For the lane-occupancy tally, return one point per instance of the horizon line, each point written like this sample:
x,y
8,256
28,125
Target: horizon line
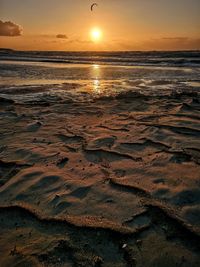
x,y
101,51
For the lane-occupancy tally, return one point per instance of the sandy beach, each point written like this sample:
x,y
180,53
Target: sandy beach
x,y
113,181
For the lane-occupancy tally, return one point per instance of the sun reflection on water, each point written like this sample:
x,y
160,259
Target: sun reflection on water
x,y
96,79
95,66
96,86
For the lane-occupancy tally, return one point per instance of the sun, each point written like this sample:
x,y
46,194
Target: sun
x,y
96,34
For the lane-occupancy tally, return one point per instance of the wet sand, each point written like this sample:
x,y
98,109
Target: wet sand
x,y
112,181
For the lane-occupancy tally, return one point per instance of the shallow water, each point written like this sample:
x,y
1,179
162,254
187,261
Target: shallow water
x,y
83,75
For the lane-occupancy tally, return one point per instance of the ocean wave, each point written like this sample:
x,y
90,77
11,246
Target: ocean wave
x,y
179,59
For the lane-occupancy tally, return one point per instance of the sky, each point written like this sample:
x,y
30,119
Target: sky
x,y
66,25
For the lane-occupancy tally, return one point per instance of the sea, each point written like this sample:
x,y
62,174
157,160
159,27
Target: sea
x,y
83,76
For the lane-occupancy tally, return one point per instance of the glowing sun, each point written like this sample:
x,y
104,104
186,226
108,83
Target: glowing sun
x,y
96,34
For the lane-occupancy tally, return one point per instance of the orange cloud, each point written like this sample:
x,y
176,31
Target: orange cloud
x,y
9,28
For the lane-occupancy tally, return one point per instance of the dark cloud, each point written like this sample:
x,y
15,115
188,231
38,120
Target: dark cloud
x,y
61,36
9,28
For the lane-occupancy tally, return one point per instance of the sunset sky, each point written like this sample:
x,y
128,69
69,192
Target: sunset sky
x,y
121,25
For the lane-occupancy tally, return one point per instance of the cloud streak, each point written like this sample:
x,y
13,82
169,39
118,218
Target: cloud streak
x,y
175,43
8,28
